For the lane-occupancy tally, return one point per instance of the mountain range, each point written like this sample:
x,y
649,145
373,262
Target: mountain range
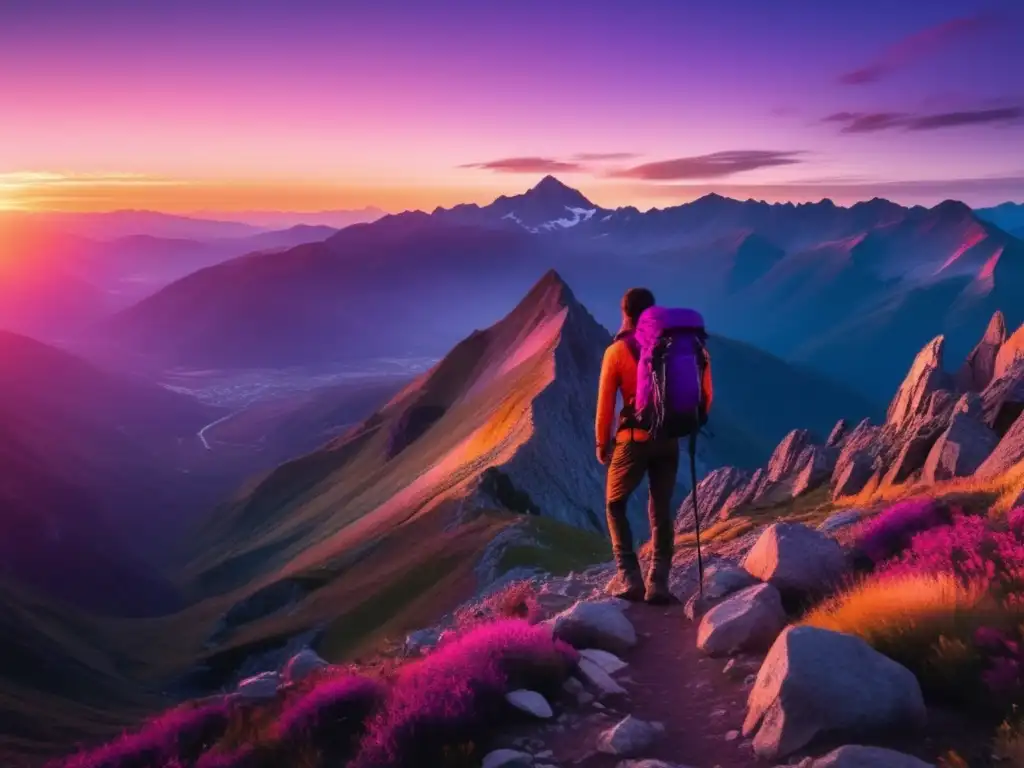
x,y
851,292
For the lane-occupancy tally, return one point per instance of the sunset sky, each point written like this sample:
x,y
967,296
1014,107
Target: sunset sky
x,y
208,105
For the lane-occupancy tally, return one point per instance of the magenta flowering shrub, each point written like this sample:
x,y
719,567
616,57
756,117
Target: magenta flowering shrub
x,y
891,530
973,549
1004,662
453,696
517,600
181,734
332,716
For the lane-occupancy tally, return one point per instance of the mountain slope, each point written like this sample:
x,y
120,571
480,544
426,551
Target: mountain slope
x,y
91,482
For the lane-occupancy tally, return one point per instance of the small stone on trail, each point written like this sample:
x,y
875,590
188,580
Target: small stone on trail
x,y
530,702
595,625
629,737
507,758
259,688
302,665
599,679
609,662
732,735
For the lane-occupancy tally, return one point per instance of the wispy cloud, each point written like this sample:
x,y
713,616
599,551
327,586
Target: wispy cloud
x,y
871,122
713,166
598,157
917,46
527,165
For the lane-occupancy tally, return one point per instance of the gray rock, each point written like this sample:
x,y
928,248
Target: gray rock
x,y
629,737
721,579
926,375
839,520
816,682
598,679
816,466
609,662
259,688
302,665
963,447
852,476
1008,452
507,758
649,764
1009,353
530,702
595,625
913,450
838,433
748,620
712,493
795,558
979,368
864,757
785,459
1003,399
421,640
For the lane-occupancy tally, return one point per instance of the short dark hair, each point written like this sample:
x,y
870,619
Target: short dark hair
x,y
636,301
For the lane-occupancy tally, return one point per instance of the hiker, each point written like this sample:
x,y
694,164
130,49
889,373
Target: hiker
x,y
663,371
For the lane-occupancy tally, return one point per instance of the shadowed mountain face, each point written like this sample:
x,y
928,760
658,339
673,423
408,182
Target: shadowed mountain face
x,y
816,282
90,463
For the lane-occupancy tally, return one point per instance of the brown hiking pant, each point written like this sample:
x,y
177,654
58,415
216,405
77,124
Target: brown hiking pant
x,y
659,460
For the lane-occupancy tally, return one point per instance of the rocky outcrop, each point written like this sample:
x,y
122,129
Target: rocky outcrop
x,y
815,682
749,620
925,377
838,433
816,466
964,446
785,460
712,493
854,475
1007,453
796,559
855,756
979,368
913,450
1003,399
1010,352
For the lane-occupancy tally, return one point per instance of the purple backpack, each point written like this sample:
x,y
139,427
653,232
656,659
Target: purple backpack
x,y
669,347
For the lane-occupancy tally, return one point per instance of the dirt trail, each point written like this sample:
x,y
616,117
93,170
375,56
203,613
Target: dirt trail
x,y
674,684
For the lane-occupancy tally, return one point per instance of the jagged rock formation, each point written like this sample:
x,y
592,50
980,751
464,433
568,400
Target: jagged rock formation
x,y
1003,399
965,444
712,493
979,368
1011,351
925,377
837,434
1007,454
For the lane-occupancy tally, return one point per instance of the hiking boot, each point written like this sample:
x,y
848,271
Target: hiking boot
x,y
657,592
628,583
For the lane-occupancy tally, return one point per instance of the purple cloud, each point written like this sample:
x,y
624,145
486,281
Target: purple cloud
x,y
870,122
918,46
713,166
526,165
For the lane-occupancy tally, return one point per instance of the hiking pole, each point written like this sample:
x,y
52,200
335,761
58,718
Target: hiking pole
x,y
696,510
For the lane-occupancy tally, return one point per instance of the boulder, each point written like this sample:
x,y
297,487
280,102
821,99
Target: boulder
x,y
839,520
1009,452
259,688
864,757
853,476
979,368
720,580
749,620
835,437
507,758
712,492
816,683
1003,399
795,558
926,376
302,665
629,737
963,447
530,702
609,662
864,441
1010,352
595,625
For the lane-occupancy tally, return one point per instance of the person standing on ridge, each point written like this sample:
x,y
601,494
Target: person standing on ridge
x,y
674,384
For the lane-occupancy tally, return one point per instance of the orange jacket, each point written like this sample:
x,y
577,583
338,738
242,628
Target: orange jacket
x,y
618,374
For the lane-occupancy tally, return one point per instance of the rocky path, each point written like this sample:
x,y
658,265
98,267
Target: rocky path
x,y
670,682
